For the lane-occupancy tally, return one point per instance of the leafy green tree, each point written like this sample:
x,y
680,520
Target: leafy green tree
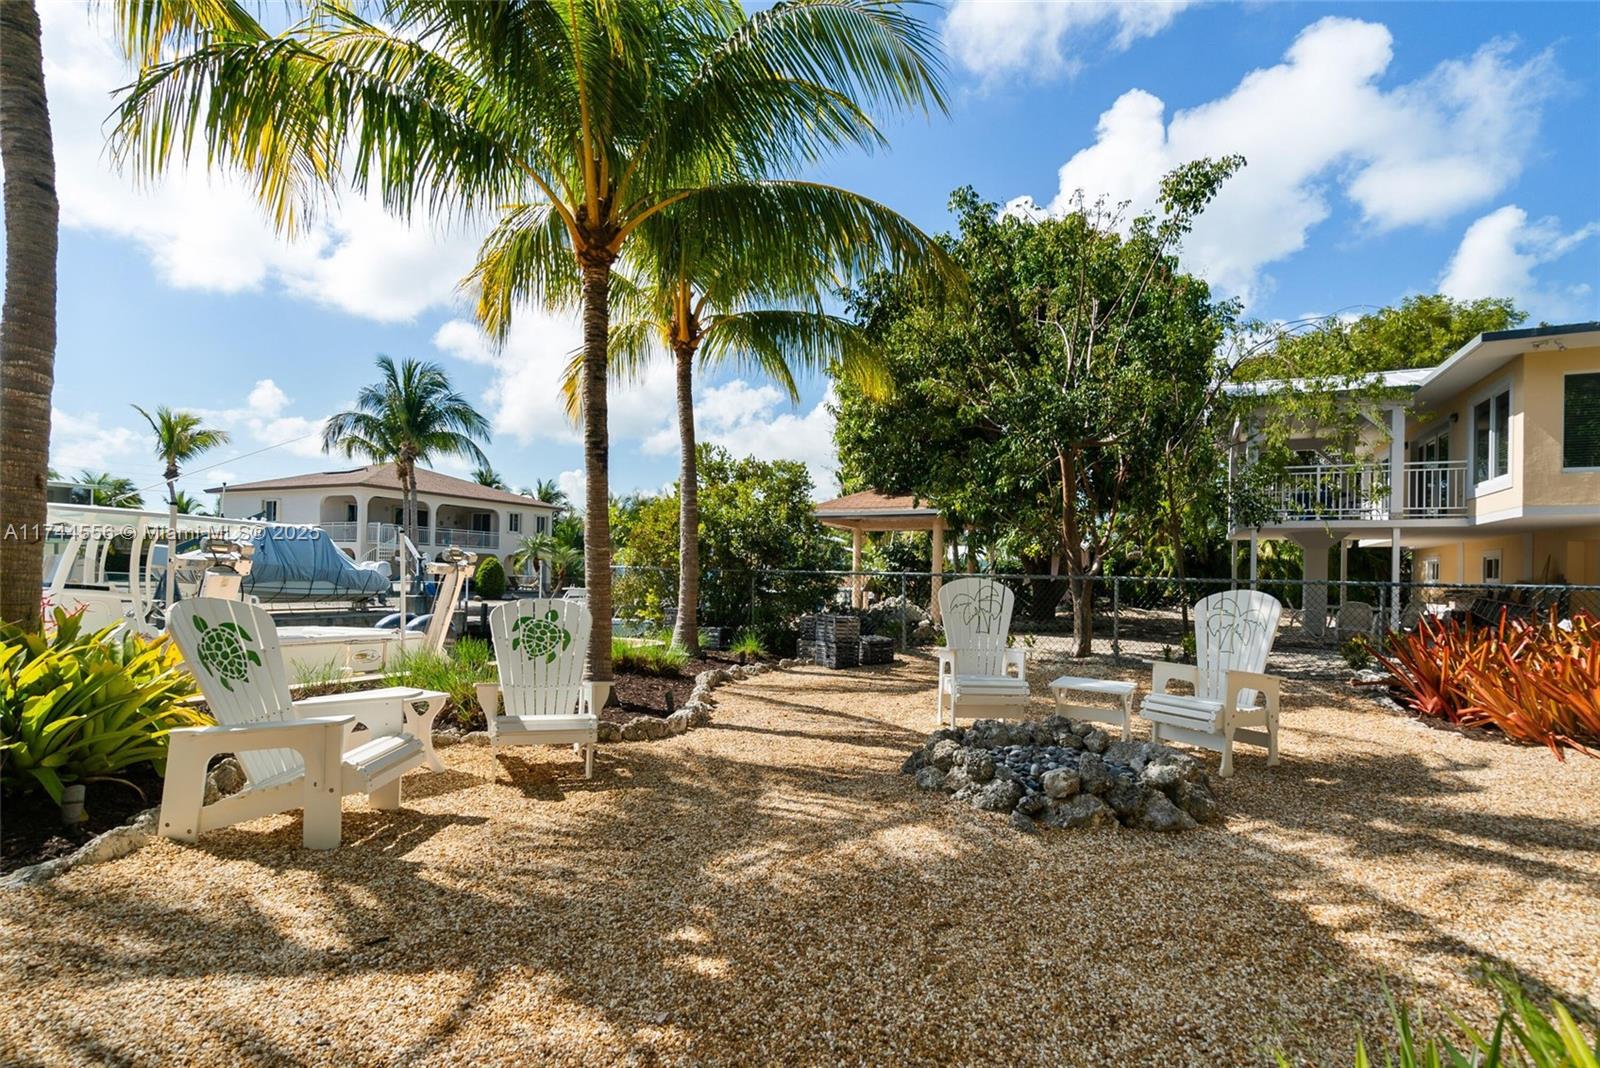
x,y
110,491
408,417
188,505
755,515
1038,415
564,561
579,122
180,437
490,579
549,491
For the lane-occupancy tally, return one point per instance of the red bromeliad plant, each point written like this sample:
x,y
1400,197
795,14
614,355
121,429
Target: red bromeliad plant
x,y
1538,683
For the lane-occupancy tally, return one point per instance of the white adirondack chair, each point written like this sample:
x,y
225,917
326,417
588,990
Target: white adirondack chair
x,y
1355,617
1234,631
539,647
978,674
295,754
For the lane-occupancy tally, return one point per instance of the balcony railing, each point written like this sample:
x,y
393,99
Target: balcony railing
x,y
1433,489
342,531
380,535
1311,492
467,539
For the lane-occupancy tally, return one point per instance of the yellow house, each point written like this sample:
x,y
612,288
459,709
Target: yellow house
x,y
1487,472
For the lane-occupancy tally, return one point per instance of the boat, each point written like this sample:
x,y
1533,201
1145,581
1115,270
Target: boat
x,y
111,565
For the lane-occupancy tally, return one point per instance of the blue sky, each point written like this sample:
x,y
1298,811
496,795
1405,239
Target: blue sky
x,y
1393,149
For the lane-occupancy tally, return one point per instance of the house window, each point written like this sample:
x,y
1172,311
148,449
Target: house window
x,y
269,510
1580,421
481,521
1491,437
1430,571
1491,568
538,524
350,512
514,522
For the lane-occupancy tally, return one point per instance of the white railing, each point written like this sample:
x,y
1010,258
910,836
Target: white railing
x,y
387,534
467,539
1435,488
342,531
1311,492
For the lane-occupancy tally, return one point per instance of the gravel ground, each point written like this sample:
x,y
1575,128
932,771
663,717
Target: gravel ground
x,y
770,889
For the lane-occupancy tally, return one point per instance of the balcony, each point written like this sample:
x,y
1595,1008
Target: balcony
x,y
342,531
466,539
1362,492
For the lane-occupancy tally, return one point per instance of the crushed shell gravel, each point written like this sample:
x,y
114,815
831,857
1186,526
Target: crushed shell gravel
x,y
770,889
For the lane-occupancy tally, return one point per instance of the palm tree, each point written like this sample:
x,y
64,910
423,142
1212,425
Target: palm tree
x,y
488,476
179,439
188,505
584,120
718,300
562,560
549,491
110,491
412,415
28,322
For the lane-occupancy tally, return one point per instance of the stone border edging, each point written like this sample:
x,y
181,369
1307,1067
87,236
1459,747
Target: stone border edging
x,y
696,712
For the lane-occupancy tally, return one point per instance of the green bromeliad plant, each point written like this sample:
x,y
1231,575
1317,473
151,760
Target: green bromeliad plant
x,y
78,708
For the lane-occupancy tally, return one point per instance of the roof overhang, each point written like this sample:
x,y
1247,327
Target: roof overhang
x,y
1488,353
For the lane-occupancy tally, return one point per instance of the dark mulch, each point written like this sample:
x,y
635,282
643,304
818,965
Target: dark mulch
x,y
31,830
634,693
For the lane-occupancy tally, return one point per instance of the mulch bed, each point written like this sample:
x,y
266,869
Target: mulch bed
x,y
32,830
635,693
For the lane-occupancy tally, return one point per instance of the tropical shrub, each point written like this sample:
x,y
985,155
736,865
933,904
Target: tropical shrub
x,y
79,708
456,673
490,581
1357,651
1526,1034
1537,682
748,645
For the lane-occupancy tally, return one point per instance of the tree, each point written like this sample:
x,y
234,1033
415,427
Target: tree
x,y
563,561
696,295
110,491
550,492
188,505
488,476
583,119
1040,413
754,515
179,439
28,321
412,415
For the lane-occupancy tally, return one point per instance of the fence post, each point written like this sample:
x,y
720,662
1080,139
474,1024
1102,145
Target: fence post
x,y
1116,618
905,606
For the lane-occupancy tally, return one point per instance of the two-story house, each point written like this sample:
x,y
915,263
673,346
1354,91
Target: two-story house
x,y
1486,471
363,510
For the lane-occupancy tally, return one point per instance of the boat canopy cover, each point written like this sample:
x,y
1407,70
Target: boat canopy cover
x,y
303,564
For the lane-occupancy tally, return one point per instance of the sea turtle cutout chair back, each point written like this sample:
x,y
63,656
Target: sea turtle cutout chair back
x,y
540,645
232,648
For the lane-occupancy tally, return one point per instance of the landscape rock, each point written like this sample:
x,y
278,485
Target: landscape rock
x,y
1129,800
1023,822
997,795
1162,815
1060,783
1096,740
609,732
1084,810
930,778
1093,778
678,722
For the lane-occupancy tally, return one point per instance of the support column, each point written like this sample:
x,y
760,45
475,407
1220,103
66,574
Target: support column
x,y
1397,463
1314,590
1394,578
1252,560
1344,570
855,565
938,567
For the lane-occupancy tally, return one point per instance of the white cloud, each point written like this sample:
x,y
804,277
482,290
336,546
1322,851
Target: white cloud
x,y
993,38
263,422
79,441
573,484
1498,256
205,231
1317,123
752,421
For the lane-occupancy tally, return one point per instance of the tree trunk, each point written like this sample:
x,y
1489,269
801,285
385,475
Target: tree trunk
x,y
1082,590
597,462
686,632
28,322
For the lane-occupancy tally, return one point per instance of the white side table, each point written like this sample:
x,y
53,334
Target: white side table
x,y
1123,692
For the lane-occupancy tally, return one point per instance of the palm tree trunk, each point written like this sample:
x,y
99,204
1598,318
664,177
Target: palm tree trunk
x,y
686,632
28,322
597,462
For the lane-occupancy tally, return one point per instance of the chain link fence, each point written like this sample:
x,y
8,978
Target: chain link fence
x,y
1121,618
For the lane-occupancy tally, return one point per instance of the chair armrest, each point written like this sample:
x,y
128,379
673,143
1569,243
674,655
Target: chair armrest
x,y
1165,671
1269,685
947,658
380,715
1017,658
299,734
488,700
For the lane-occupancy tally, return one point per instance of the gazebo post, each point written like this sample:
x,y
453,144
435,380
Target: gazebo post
x,y
938,567
855,567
